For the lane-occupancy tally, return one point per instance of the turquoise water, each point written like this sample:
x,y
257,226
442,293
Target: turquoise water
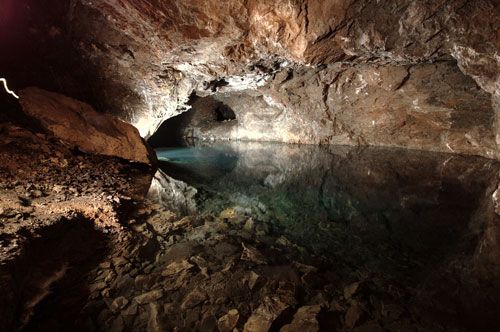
x,y
196,156
199,162
380,207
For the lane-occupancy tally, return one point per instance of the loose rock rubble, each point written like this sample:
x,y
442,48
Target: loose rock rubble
x,y
212,273
43,185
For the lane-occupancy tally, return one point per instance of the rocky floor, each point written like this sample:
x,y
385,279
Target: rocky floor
x,y
46,191
80,252
225,274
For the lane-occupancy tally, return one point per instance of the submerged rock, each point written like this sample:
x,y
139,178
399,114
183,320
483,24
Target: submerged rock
x,y
264,316
305,320
79,125
228,322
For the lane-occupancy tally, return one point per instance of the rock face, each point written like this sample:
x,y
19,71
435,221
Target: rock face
x,y
399,106
342,57
172,193
314,63
79,125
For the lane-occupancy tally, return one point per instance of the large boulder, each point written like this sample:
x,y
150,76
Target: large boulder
x,y
79,125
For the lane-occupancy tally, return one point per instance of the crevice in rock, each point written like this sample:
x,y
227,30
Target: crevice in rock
x,y
405,79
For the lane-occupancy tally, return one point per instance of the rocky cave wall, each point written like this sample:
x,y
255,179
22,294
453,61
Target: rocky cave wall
x,y
417,74
424,106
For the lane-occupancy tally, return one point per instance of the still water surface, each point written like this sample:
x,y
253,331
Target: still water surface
x,y
416,218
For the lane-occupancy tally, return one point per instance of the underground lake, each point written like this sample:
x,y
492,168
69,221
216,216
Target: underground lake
x,y
393,218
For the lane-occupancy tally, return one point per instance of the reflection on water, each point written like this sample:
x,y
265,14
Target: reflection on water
x,y
198,162
403,213
339,198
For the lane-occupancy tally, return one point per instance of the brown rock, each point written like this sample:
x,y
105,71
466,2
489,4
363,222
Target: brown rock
x,y
304,320
371,326
176,268
148,297
251,279
118,304
264,316
131,310
194,298
79,125
252,254
390,105
350,290
155,321
240,53
352,315
229,321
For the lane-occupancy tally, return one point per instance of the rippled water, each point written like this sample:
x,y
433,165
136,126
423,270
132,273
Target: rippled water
x,y
416,218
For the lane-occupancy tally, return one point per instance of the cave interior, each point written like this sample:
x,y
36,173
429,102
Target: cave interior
x,y
249,165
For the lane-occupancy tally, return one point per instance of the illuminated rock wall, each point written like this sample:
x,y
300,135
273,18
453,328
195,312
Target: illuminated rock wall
x,y
420,74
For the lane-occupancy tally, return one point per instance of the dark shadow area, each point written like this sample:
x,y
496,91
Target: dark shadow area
x,y
10,111
38,48
48,280
171,132
225,113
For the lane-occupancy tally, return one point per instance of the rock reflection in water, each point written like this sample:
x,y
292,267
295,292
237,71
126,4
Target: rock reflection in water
x,y
341,199
409,215
202,163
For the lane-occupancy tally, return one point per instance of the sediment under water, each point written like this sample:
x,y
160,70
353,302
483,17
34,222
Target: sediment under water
x,y
414,217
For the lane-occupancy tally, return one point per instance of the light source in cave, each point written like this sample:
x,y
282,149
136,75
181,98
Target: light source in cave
x,y
4,81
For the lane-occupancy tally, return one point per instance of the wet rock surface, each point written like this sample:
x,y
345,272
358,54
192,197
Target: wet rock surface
x,y
430,107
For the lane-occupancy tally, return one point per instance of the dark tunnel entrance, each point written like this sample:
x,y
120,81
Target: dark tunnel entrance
x,y
183,129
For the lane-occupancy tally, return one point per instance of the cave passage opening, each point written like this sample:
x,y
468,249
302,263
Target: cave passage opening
x,y
182,130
